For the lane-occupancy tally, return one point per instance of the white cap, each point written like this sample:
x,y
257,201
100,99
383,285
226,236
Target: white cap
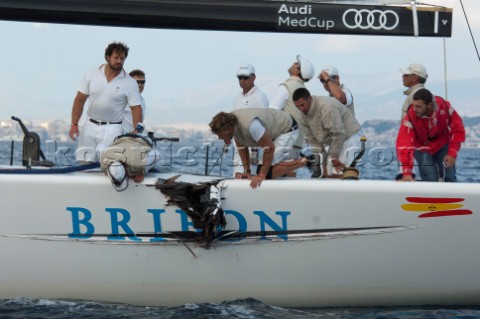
x,y
306,68
417,69
246,69
117,175
330,70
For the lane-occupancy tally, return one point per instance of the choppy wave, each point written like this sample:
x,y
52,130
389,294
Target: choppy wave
x,y
248,308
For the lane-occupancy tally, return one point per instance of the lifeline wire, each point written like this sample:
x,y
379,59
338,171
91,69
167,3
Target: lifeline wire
x,y
469,29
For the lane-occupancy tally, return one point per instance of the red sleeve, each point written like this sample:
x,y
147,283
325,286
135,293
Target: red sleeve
x,y
457,132
405,145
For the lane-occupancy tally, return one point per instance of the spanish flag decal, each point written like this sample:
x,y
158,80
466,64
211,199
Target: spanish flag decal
x,y
435,206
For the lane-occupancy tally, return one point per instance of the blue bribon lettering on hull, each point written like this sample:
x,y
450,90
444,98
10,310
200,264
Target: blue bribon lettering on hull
x,y
83,226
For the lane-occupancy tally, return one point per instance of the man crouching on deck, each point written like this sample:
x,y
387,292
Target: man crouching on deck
x,y
273,130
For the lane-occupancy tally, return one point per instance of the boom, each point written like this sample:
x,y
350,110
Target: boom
x,y
236,15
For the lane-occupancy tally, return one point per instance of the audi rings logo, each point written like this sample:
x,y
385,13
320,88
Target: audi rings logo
x,y
370,19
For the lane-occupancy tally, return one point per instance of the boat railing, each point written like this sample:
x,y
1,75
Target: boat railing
x,y
218,161
60,155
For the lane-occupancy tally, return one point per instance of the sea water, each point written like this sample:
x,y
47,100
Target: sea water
x,y
377,163
241,308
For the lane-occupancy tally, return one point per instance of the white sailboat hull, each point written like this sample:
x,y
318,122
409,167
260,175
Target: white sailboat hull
x,y
312,243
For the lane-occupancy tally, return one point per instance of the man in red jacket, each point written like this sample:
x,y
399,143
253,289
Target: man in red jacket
x,y
432,132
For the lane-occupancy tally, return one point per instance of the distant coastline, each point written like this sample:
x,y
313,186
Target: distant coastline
x,y
378,132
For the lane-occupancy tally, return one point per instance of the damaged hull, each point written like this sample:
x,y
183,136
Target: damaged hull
x,y
301,243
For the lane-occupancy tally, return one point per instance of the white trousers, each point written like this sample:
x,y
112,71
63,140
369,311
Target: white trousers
x,y
152,159
284,147
94,139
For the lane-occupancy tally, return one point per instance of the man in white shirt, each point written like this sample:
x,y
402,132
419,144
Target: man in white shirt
x,y
109,88
127,123
300,72
250,97
414,78
331,83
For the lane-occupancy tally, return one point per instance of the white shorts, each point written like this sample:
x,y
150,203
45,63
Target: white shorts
x,y
284,147
284,151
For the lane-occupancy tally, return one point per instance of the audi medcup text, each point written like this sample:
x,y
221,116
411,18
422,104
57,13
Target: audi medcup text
x,y
303,17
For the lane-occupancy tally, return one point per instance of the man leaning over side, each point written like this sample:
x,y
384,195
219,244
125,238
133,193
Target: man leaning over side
x,y
432,133
272,130
142,155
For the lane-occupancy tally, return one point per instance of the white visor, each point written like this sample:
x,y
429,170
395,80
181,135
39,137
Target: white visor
x,y
117,175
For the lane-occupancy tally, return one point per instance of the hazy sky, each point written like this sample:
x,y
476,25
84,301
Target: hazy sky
x,y
42,64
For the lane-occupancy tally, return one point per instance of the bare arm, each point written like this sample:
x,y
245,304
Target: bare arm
x,y
245,158
268,147
77,110
136,115
333,87
337,92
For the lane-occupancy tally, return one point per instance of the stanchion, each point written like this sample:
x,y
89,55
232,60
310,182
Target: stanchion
x,y
206,160
11,153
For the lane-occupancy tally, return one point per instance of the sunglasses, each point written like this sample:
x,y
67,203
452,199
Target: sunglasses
x,y
330,78
141,81
243,77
